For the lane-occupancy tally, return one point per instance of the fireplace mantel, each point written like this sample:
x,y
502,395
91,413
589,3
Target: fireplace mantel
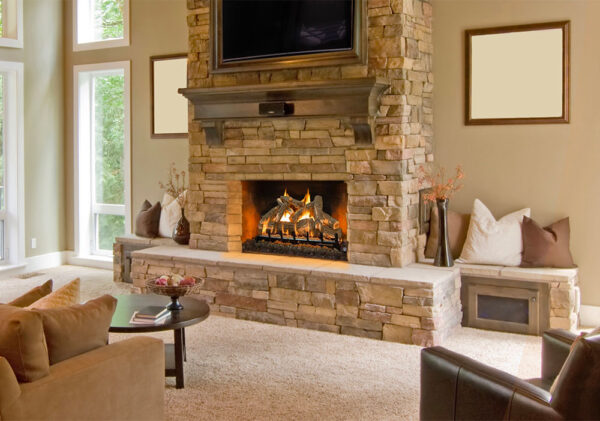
x,y
354,100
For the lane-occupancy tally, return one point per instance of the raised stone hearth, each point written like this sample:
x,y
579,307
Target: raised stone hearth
x,y
418,304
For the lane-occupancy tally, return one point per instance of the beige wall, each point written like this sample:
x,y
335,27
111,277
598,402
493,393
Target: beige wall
x,y
43,122
551,168
158,27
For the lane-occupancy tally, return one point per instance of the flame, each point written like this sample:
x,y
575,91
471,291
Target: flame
x,y
285,193
305,215
306,199
286,216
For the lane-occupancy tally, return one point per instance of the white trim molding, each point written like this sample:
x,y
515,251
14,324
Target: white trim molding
x,y
84,209
83,25
14,143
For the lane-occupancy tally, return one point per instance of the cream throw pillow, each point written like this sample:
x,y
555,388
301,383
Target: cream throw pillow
x,y
169,215
492,242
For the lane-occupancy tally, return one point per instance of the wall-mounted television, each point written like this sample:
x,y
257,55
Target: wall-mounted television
x,y
270,34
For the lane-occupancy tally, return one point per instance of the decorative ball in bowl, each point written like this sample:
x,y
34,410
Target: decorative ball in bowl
x,y
174,286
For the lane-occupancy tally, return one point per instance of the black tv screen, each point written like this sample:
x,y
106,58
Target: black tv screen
x,y
254,29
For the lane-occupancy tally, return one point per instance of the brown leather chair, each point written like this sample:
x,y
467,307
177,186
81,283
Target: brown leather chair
x,y
454,387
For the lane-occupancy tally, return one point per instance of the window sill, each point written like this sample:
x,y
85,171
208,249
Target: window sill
x,y
98,45
100,262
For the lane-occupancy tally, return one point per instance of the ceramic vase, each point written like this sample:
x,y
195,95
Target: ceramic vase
x,y
181,233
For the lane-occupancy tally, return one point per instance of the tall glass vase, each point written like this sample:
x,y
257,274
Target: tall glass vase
x,y
443,256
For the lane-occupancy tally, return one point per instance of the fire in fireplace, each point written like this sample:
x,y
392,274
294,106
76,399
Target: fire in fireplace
x,y
293,226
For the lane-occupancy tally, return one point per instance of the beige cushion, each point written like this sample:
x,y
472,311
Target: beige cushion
x,y
22,343
62,297
492,242
33,295
73,330
458,225
169,215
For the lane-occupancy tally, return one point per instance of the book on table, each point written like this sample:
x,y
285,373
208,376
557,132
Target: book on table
x,y
136,319
152,312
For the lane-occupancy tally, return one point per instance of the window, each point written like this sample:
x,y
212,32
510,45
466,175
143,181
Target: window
x,y
12,242
11,23
102,159
100,24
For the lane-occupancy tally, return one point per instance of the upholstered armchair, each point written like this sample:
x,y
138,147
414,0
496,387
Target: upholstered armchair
x,y
454,387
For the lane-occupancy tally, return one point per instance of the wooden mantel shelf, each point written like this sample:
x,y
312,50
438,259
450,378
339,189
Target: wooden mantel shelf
x,y
353,100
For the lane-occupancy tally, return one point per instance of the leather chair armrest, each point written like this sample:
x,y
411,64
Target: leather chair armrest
x,y
457,387
9,386
556,345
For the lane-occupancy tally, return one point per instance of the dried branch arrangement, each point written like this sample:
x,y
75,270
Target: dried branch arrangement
x,y
176,185
441,186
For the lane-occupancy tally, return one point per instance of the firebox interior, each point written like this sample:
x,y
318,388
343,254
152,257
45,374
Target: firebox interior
x,y
301,218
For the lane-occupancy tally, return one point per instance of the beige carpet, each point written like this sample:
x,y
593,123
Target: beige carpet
x,y
245,370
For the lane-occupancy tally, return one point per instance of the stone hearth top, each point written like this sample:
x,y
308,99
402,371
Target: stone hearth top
x,y
414,275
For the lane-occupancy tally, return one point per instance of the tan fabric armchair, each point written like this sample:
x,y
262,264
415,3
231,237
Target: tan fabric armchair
x,y
123,380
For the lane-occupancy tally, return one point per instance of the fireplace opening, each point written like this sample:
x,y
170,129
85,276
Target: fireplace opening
x,y
297,218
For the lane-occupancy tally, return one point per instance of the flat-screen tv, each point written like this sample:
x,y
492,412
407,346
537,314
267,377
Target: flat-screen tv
x,y
270,31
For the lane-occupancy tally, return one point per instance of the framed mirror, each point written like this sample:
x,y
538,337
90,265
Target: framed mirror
x,y
517,74
169,109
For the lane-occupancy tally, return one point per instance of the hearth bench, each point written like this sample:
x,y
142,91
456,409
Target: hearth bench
x,y
520,300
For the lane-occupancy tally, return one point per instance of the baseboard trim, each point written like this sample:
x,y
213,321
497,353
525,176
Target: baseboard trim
x,y
90,261
36,263
589,316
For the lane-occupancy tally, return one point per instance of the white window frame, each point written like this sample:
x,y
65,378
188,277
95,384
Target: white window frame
x,y
85,209
14,226
13,9
81,12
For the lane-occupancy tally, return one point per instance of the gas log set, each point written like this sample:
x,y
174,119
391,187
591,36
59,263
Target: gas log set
x,y
300,228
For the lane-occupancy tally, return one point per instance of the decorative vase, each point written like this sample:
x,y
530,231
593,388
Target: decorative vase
x,y
181,233
443,256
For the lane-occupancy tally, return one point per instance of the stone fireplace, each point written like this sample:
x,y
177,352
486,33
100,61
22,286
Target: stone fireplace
x,y
379,174
314,162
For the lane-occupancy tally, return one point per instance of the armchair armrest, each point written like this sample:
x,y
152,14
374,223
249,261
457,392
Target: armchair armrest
x,y
556,345
123,380
9,386
457,387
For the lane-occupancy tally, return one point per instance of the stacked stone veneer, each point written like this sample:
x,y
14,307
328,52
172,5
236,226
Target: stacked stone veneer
x,y
382,188
416,305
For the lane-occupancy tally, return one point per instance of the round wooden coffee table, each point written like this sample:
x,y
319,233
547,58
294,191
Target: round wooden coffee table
x,y
194,311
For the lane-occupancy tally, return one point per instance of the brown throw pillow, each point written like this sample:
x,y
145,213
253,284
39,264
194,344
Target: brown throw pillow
x,y
80,328
32,295
458,225
62,297
147,221
546,247
22,343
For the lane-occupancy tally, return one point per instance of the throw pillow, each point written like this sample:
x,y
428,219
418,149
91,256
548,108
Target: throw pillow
x,y
171,212
22,343
548,246
62,297
77,329
146,222
32,295
492,242
458,224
